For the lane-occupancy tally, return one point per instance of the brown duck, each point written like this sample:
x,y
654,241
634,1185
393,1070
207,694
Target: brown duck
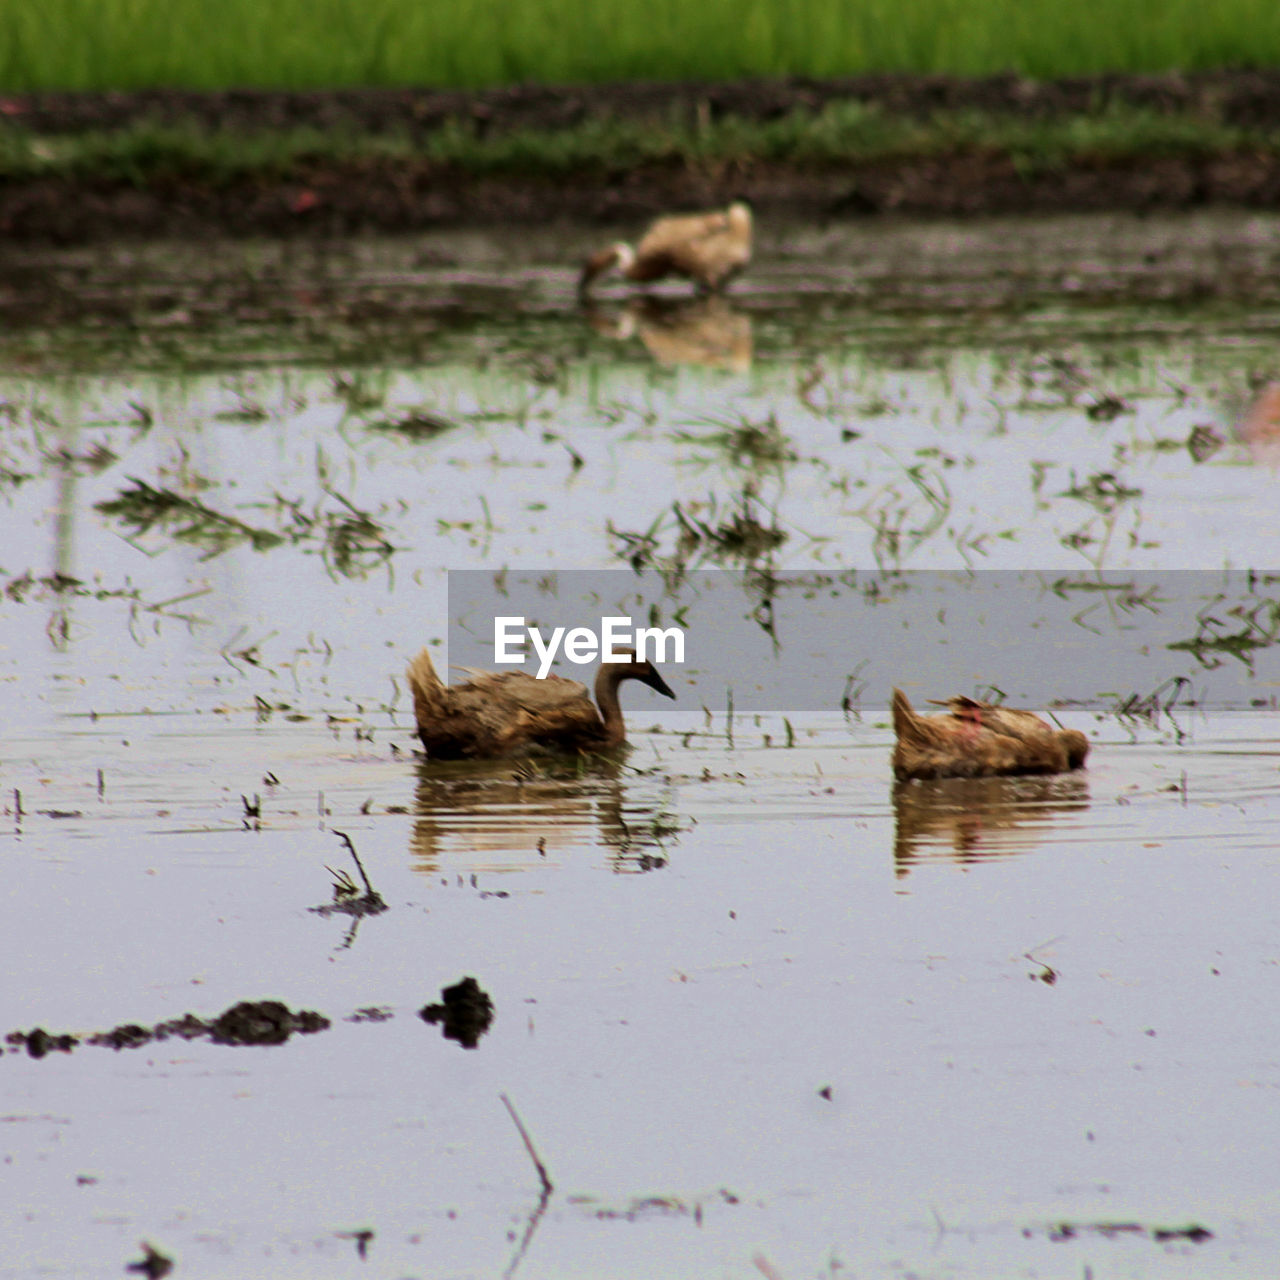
x,y
976,740
501,713
707,248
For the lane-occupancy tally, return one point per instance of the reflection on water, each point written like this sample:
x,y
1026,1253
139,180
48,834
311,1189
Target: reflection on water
x,y
698,331
967,820
509,817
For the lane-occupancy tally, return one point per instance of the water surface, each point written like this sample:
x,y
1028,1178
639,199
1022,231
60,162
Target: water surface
x,y
760,1011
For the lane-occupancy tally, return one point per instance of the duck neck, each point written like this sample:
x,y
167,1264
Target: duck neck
x,y
608,678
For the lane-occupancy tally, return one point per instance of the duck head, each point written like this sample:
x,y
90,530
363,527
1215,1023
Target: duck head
x,y
627,668
617,257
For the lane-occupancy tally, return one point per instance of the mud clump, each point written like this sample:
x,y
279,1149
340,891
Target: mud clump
x,y
38,1042
465,1011
263,1022
127,1036
251,1022
188,1027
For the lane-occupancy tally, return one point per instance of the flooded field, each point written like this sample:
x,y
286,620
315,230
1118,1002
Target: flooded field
x,y
742,1006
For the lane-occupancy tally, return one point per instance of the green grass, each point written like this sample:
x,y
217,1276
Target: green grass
x,y
296,44
145,154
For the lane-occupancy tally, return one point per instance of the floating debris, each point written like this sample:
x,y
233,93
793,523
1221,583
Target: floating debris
x,y
361,1238
153,1264
1060,1231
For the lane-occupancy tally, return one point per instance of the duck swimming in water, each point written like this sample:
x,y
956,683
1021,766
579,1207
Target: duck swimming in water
x,y
501,713
977,739
707,248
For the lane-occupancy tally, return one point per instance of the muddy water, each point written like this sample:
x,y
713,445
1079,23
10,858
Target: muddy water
x,y
759,1011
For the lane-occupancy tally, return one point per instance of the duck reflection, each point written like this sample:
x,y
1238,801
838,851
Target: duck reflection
x,y
705,331
969,820
479,816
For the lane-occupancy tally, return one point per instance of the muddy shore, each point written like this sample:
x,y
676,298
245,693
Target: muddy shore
x,y
394,194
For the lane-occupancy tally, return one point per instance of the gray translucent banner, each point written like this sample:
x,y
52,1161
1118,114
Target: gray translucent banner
x,y
817,642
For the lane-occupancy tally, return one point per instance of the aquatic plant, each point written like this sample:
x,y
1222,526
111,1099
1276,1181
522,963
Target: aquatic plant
x,y
142,507
1258,628
753,446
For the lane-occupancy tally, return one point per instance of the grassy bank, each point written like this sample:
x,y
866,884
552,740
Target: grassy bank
x,y
296,44
848,133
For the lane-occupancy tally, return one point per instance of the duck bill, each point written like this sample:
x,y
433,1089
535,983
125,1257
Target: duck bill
x,y
655,681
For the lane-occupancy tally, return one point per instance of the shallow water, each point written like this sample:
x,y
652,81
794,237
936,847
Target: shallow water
x,y
760,1011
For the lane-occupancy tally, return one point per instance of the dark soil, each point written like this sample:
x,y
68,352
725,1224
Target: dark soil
x,y
1249,98
336,199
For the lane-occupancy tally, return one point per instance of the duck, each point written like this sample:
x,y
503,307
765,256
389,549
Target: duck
x,y
503,713
707,248
974,739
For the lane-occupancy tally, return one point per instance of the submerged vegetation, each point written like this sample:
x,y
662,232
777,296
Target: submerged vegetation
x,y
123,44
351,542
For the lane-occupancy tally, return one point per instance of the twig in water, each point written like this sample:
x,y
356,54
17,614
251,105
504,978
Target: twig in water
x,y
528,1144
346,839
543,1199
942,1227
765,1267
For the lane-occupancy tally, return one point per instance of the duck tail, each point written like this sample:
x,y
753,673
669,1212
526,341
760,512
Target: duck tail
x,y
906,724
427,687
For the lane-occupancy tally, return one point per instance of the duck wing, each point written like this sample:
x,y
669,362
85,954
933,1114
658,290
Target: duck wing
x,y
517,689
974,739
673,233
511,712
